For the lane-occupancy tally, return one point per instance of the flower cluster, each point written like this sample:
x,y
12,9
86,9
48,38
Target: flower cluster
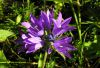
x,y
46,29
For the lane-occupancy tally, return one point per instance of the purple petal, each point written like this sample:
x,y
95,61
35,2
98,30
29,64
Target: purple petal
x,y
26,24
31,35
35,39
70,47
40,24
65,40
57,23
28,45
59,20
31,49
36,22
38,46
61,49
49,51
46,20
66,21
66,54
63,46
68,39
32,19
51,13
25,36
62,30
35,31
27,42
51,16
41,32
48,13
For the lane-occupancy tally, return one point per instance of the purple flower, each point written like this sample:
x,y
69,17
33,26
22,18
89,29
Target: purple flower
x,y
46,29
61,45
33,40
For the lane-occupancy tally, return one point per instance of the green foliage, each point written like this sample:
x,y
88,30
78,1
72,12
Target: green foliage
x,y
2,56
51,64
18,19
4,34
87,43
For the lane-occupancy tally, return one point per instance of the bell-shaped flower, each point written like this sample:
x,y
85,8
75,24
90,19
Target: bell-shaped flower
x,y
33,40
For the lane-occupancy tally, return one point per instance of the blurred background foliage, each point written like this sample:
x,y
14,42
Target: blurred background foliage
x,y
13,12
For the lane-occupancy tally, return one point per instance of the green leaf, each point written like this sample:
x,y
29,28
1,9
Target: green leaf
x,y
59,1
4,34
51,64
2,56
95,39
87,1
98,53
3,60
18,19
11,21
87,44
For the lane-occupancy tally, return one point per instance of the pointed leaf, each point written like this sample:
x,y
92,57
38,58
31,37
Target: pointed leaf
x,y
4,34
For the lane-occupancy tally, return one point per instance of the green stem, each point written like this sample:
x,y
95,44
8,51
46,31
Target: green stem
x,y
81,46
45,57
76,19
12,62
44,5
40,62
28,3
79,18
78,23
23,1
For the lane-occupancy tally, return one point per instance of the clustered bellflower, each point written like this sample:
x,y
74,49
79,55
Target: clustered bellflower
x,y
46,29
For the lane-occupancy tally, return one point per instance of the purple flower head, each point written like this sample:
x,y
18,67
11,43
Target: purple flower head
x,y
33,40
46,29
61,45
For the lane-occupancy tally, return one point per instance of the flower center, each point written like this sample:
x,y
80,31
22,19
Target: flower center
x,y
50,38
